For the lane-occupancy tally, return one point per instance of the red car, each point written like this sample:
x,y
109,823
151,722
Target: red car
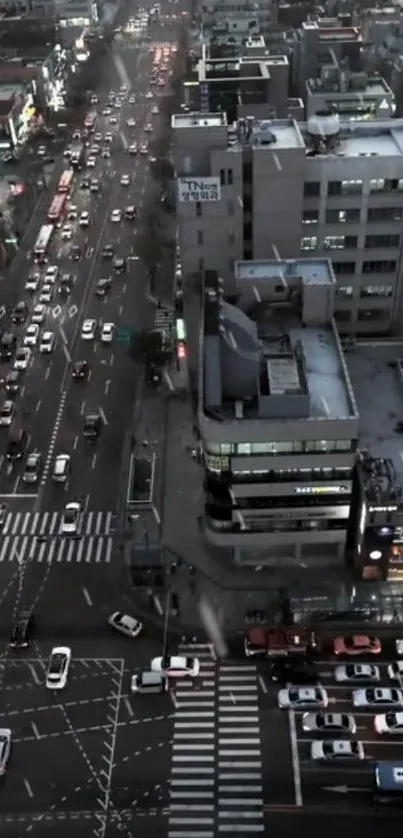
x,y
357,644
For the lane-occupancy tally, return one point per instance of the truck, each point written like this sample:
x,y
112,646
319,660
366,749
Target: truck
x,y
275,642
77,155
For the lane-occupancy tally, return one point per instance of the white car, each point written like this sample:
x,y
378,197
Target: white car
x,y
378,697
31,335
67,232
94,150
46,294
113,120
41,151
51,274
107,332
108,138
94,185
131,123
58,668
32,284
328,722
98,138
88,329
132,100
91,162
71,518
72,212
133,148
22,358
144,148
155,110
84,219
105,154
5,748
148,128
361,672
47,343
125,180
395,671
301,697
389,723
176,666
337,750
149,95
125,624
106,112
7,413
116,215
39,313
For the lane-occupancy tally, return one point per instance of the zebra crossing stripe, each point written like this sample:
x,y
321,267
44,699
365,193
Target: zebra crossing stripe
x,y
89,549
48,523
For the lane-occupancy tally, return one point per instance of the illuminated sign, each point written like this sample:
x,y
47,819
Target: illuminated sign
x,y
199,190
321,490
214,463
383,508
180,330
181,351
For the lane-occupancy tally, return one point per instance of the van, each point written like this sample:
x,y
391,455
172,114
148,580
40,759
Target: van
x,y
149,682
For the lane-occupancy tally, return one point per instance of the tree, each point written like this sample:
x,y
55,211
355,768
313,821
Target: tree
x,y
149,247
162,170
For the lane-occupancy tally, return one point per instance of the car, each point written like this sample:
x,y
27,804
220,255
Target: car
x,y
94,99
67,152
293,670
22,358
389,723
155,110
130,213
38,314
131,123
125,180
151,683
108,138
337,750
8,345
98,138
125,624
132,100
85,183
144,148
31,335
133,148
329,722
7,413
47,343
17,444
32,283
51,274
102,287
19,313
149,95
107,332
116,215
378,697
296,697
108,251
88,329
105,153
113,119
71,518
67,232
81,370
91,162
92,427
106,112
61,468
32,467
357,672
46,294
12,382
94,150
23,630
72,212
119,265
395,671
41,151
148,128
5,749
75,253
94,185
357,644
176,666
66,283
58,668
84,219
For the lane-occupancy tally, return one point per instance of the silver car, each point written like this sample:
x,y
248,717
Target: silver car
x,y
5,748
328,723
125,624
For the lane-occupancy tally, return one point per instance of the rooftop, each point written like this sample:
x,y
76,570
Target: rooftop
x,y
363,139
273,134
199,120
377,380
358,85
310,270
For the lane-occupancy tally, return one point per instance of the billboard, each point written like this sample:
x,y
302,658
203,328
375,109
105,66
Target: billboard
x,y
192,190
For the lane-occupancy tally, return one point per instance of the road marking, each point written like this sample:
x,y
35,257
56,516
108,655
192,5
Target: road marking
x,y
73,310
102,415
157,603
34,673
66,353
28,787
295,758
129,707
56,311
87,596
35,730
107,385
262,684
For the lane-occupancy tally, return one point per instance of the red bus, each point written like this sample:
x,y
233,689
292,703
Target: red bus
x,y
56,209
65,182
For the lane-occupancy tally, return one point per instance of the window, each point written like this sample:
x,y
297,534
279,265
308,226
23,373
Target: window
x,y
339,242
310,217
344,291
222,177
384,266
230,177
231,207
387,240
384,214
334,187
377,185
394,185
351,187
372,314
341,268
200,238
376,291
247,172
198,209
231,237
311,189
342,216
342,316
309,243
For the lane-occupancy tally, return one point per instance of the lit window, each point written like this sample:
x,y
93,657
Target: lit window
x,y
309,243
334,243
377,185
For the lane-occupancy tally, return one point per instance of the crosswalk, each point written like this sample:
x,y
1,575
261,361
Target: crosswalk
x,y
216,784
36,537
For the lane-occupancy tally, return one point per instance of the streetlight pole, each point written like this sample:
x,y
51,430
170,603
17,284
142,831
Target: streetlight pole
x,y
166,619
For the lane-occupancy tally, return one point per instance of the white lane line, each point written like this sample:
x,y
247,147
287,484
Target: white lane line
x,y
35,730
129,708
33,673
87,596
28,787
262,684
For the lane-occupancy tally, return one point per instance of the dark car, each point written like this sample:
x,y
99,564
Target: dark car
x,y
294,670
119,265
12,382
102,288
92,427
108,251
17,444
23,630
8,345
65,285
85,183
19,313
81,370
75,253
131,213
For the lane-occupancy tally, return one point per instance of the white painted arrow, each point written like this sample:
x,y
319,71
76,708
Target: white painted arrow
x,y
345,789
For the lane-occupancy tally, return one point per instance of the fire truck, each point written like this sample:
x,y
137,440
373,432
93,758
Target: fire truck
x,y
278,642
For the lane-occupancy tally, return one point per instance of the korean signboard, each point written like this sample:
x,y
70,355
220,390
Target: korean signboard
x,y
198,190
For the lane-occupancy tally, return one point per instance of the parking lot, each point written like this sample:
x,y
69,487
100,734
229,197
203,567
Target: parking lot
x,y
292,777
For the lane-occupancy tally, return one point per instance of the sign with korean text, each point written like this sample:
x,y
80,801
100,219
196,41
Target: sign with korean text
x,y
198,190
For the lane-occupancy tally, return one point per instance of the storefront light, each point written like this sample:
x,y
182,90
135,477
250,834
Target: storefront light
x,y
375,555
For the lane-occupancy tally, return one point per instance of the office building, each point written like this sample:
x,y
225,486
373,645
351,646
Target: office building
x,y
325,189
81,12
320,44
353,96
277,415
260,14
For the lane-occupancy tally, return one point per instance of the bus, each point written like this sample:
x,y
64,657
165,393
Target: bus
x,y
65,182
90,120
57,209
42,243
